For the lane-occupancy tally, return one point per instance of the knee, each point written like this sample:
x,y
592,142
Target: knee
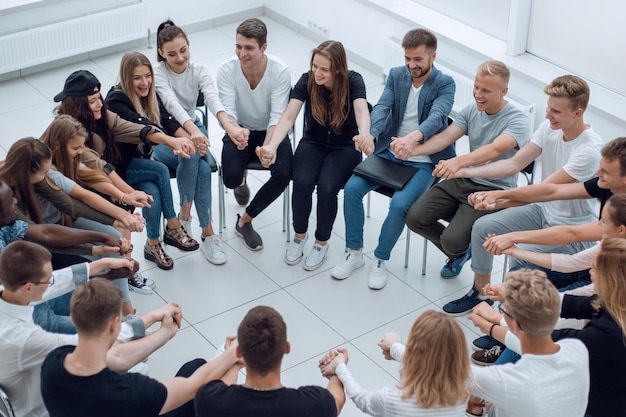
x,y
232,178
399,207
352,190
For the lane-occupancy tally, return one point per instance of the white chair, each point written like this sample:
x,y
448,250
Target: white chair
x,y
6,410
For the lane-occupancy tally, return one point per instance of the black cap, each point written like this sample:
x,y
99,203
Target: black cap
x,y
80,83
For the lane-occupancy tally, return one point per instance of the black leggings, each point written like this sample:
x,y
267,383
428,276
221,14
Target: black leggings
x,y
327,166
234,164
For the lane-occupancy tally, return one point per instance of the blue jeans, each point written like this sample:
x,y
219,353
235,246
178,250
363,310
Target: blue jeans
x,y
390,232
193,176
563,281
154,178
54,315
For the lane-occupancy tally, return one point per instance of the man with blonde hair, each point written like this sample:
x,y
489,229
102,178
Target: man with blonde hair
x,y
550,378
570,152
496,130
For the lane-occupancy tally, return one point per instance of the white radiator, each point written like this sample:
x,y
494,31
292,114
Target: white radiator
x,y
76,36
394,56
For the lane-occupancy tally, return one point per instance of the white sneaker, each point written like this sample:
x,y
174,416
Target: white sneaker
x,y
211,247
186,224
378,275
295,250
353,260
316,257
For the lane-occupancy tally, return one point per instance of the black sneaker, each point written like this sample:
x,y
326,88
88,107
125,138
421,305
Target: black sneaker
x,y
485,342
242,193
141,285
465,304
250,236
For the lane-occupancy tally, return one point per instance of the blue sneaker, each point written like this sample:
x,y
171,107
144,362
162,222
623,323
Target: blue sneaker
x,y
465,304
485,342
453,267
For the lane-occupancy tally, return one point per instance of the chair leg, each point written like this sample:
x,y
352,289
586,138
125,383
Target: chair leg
x,y
505,267
369,203
408,246
424,257
286,211
221,208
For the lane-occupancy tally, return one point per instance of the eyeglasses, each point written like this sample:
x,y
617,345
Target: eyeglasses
x,y
49,283
503,311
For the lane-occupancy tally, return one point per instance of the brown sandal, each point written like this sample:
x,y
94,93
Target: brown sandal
x,y
156,254
179,238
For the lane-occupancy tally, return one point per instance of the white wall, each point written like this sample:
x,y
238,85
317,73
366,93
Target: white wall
x,y
362,25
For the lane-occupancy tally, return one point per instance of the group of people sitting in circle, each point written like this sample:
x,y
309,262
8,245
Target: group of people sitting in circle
x,y
73,344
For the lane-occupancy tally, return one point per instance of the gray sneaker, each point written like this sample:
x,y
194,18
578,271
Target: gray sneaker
x,y
242,193
250,236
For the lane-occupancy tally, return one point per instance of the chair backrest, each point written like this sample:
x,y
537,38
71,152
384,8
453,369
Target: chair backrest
x,y
529,172
202,109
6,410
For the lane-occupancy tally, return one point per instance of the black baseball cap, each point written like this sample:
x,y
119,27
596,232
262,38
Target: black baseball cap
x,y
80,83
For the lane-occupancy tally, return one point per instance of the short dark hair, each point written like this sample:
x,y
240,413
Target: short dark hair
x,y
616,149
93,305
167,32
253,28
418,37
22,262
262,337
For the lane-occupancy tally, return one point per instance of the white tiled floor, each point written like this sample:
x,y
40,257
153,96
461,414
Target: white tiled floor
x,y
321,313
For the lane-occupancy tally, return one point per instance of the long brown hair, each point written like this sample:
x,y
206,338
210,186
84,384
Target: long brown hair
x,y
610,280
436,367
78,107
62,129
337,109
25,157
147,106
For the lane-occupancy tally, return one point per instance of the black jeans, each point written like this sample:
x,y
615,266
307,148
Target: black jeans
x,y
234,164
327,167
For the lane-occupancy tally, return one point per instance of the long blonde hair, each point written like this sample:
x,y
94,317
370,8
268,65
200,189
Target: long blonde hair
x,y
610,280
62,129
146,106
436,367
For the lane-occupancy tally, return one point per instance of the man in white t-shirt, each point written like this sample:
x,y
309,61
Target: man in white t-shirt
x,y
550,379
570,151
254,89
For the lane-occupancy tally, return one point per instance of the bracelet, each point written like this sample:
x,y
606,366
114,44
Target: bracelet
x,y
491,329
122,198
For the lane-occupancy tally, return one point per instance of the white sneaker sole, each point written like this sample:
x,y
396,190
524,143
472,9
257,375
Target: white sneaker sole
x,y
359,264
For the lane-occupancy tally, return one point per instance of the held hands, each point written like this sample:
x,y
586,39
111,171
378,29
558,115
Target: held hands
x,y
239,135
387,341
201,143
499,245
266,154
364,142
485,311
494,292
483,324
447,169
482,200
183,147
137,198
133,222
328,364
402,147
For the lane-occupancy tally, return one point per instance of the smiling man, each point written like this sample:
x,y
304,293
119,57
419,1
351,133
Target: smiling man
x,y
496,130
570,152
254,89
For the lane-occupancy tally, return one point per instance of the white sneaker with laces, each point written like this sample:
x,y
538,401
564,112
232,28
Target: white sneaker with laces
x,y
211,247
295,250
316,257
353,260
378,275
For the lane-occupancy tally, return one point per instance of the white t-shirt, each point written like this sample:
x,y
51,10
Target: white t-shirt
x,y
410,122
537,385
579,158
262,107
